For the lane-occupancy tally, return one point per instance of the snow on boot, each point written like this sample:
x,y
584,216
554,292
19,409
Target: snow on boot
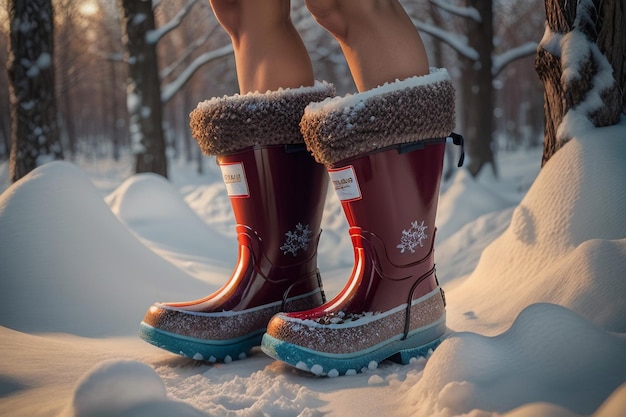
x,y
277,192
384,152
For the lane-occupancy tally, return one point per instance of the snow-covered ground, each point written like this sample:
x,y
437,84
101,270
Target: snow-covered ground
x,y
532,263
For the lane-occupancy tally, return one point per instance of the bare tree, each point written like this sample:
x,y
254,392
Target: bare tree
x,y
143,87
113,58
5,135
479,66
66,58
597,31
477,86
146,90
34,128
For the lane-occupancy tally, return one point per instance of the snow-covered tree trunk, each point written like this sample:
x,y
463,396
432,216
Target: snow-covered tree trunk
x,y
580,60
34,127
143,86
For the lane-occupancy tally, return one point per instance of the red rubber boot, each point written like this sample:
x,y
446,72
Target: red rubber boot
x,y
387,177
277,193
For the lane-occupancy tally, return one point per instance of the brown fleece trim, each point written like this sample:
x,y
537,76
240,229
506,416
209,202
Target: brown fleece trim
x,y
227,124
414,109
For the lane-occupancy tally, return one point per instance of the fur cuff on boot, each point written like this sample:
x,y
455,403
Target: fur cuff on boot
x,y
227,124
414,109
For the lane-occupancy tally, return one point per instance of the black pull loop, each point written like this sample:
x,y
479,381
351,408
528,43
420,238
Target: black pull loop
x,y
458,140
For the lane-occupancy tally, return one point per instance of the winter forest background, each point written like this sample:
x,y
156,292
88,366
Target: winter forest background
x,y
532,259
499,108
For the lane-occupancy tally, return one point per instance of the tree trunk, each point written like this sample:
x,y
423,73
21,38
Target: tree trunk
x,y
114,113
597,31
34,128
143,87
477,90
68,118
5,145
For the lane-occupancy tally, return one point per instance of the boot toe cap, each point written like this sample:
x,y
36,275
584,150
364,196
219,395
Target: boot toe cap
x,y
213,326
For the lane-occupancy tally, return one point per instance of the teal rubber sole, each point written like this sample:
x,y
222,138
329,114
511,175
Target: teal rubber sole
x,y
419,344
199,349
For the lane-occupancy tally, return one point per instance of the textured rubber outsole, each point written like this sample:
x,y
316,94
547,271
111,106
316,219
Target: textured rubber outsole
x,y
201,350
420,344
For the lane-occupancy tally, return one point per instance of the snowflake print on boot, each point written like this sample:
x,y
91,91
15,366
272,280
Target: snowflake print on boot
x,y
413,237
297,240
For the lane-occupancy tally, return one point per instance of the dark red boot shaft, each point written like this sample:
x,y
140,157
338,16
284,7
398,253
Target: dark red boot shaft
x,y
279,194
390,200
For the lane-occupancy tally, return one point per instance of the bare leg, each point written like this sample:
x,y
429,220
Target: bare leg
x,y
377,37
269,53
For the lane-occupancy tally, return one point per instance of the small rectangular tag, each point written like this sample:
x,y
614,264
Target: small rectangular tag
x,y
345,183
234,177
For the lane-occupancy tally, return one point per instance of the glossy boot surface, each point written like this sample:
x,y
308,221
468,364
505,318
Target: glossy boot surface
x,y
277,194
391,306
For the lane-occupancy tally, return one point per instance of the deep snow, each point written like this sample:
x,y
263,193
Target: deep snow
x,y
533,270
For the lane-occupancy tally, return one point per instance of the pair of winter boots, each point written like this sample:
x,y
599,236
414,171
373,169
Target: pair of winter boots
x,y
383,153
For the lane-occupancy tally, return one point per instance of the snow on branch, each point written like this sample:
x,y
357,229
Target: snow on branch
x,y
155,35
455,41
502,60
466,12
169,90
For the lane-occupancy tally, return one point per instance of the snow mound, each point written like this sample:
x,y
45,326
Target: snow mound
x,y
614,405
550,354
211,203
464,200
158,214
55,214
458,255
124,388
566,243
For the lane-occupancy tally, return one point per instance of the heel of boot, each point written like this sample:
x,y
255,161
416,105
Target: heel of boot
x,y
405,356
420,349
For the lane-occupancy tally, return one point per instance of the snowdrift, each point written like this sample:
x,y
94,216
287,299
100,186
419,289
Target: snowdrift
x,y
157,214
566,243
462,203
549,354
68,264
539,326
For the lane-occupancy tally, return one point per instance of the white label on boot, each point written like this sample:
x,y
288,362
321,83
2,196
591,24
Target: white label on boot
x,y
234,177
345,183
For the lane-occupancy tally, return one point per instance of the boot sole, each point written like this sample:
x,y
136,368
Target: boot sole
x,y
421,343
201,350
